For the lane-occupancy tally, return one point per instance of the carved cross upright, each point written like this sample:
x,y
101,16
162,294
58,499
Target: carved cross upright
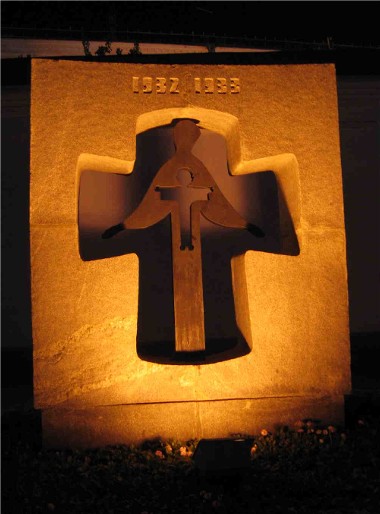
x,y
185,198
184,189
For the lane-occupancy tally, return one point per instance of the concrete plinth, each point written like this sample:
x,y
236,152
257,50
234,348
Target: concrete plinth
x,y
121,424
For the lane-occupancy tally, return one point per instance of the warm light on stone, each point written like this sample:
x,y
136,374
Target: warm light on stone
x,y
292,307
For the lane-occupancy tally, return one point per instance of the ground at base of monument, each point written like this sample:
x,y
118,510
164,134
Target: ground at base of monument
x,y
305,468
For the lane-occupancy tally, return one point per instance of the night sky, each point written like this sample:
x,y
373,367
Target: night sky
x,y
345,22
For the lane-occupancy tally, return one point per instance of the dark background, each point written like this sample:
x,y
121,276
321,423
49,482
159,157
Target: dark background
x,y
348,23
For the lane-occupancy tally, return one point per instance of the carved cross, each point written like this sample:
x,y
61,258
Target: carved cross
x,y
185,197
181,185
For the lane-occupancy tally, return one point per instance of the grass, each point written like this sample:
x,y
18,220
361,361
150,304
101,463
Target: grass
x,y
302,469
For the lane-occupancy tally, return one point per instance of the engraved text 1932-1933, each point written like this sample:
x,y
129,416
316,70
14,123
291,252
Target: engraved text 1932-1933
x,y
171,85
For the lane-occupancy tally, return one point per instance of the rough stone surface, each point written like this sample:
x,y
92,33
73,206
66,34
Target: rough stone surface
x,y
293,309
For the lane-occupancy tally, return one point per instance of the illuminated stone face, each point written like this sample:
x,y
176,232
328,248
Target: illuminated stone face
x,y
290,306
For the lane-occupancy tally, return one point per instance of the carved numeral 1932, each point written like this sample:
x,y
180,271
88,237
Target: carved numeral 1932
x,y
160,85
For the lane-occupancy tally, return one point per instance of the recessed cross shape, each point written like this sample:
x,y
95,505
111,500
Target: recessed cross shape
x,y
184,189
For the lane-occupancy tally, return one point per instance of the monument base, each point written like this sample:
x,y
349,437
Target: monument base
x,y
126,424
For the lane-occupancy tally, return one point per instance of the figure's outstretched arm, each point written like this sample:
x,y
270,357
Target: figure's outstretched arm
x,y
255,230
218,210
150,211
112,231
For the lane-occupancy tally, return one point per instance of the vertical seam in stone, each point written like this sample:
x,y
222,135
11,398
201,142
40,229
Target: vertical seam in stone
x,y
198,421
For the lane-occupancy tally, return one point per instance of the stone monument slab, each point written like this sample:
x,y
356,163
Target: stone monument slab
x,y
290,304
